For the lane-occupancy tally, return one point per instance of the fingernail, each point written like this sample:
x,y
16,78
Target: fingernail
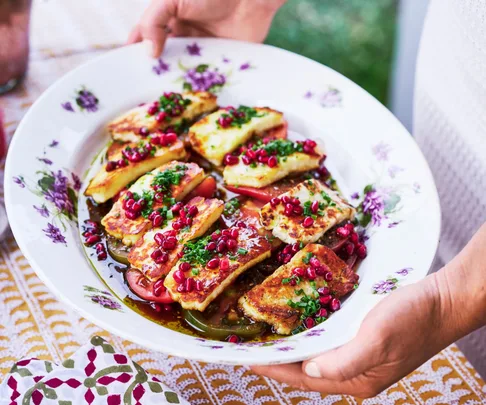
x,y
312,370
149,46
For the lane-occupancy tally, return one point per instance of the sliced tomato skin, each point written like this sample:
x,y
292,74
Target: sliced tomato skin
x,y
280,132
144,287
205,189
259,194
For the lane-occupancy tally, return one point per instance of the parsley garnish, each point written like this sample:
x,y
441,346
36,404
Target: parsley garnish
x,y
327,199
148,197
231,206
166,179
195,251
242,251
307,258
240,116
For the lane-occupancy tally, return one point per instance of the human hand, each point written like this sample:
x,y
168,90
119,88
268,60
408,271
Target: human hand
x,y
247,20
402,332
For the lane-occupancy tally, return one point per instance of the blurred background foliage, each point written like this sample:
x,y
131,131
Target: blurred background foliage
x,y
354,37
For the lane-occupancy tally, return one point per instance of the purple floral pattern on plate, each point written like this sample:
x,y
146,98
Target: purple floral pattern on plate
x,y
203,77
245,66
58,193
161,67
53,144
391,283
382,151
84,99
194,49
329,98
102,298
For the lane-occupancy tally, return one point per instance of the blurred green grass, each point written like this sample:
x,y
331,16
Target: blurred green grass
x,y
354,37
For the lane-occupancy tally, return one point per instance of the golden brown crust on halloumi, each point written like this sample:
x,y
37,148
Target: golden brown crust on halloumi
x,y
209,211
105,185
129,231
262,175
268,301
214,143
126,127
215,281
290,229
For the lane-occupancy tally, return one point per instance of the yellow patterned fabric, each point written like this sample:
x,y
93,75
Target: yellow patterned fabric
x,y
33,323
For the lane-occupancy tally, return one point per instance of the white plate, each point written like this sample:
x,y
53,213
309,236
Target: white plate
x,y
53,146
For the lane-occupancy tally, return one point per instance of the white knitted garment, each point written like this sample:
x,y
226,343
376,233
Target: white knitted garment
x,y
450,126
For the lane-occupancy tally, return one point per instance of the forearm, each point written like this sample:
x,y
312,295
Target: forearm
x,y
461,290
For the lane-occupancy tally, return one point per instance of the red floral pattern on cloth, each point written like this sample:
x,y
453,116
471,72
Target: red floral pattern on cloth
x,y
94,375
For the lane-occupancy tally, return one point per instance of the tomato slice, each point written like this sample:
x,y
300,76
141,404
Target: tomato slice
x,y
260,194
279,132
205,189
144,287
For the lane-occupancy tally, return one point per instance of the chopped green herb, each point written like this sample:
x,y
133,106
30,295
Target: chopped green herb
x,y
242,251
195,272
307,258
171,177
195,251
231,207
240,116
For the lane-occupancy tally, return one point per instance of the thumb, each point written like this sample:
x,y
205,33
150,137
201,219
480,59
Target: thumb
x,y
345,362
154,24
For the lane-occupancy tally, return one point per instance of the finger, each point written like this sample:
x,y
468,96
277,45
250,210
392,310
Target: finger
x,y
154,23
290,374
135,35
345,362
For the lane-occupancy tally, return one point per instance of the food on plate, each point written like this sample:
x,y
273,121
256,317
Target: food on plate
x,y
157,251
299,293
266,161
145,204
210,264
223,131
230,231
170,110
127,162
305,213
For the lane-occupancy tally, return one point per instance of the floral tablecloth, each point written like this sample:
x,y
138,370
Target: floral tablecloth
x,y
34,324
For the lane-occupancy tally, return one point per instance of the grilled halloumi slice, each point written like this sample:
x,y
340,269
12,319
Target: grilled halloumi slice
x,y
213,142
252,249
260,174
106,184
290,229
118,225
209,211
126,127
269,301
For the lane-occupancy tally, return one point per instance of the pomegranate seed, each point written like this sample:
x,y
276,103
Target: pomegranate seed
x,y
170,233
221,247
211,246
143,131
263,159
241,224
215,236
251,154
213,263
349,248
121,163
132,215
161,116
309,322
152,215
231,160
328,276
170,138
110,166
167,308
298,271
179,276
159,197
92,239
298,210
246,160
128,203
177,207
287,249
233,339
177,225
349,227
361,251
164,258
224,264
156,254
321,270
170,243
155,140
181,288
157,221
325,299
311,143
335,305
188,221
324,291
293,282
311,273
307,149
289,210
137,206
199,285
225,232
342,232
315,207
102,256
232,244
294,201
274,202
190,284
192,211
159,239
308,222
158,288
314,262
225,122
354,238
272,161
156,307
234,233
295,247
287,258
322,313
184,266
286,199
152,110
